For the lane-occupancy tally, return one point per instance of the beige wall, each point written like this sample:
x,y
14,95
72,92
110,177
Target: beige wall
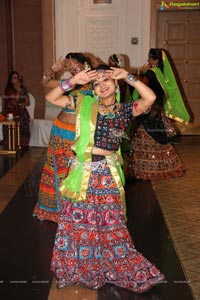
x,y
68,20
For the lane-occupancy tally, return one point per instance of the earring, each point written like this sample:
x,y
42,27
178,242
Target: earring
x,y
117,91
96,97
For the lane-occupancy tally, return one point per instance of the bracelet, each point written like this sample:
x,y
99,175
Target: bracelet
x,y
48,74
131,77
147,111
66,85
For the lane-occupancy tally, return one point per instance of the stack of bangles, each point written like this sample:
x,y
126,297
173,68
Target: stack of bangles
x,y
66,85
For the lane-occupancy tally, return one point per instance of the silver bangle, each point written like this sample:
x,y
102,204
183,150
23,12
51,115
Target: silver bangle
x,y
131,77
66,85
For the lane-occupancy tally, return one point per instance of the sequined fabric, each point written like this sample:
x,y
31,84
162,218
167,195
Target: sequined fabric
x,y
103,134
151,160
93,246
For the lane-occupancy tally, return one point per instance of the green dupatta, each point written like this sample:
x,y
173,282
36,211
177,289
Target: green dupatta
x,y
76,184
173,102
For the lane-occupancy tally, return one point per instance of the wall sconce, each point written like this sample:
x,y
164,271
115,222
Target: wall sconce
x,y
102,1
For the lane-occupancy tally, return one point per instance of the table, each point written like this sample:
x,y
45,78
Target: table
x,y
13,136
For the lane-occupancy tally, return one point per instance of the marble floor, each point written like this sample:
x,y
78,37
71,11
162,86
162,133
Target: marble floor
x,y
163,220
179,200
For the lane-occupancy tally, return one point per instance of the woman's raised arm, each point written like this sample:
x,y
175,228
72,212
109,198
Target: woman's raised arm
x,y
56,97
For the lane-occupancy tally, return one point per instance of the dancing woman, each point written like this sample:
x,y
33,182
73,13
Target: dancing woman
x,y
92,245
153,155
62,136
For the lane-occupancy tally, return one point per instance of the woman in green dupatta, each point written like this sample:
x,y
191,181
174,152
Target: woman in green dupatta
x,y
152,155
92,245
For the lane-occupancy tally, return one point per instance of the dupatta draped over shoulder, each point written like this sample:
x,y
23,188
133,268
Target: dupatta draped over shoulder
x,y
76,184
173,102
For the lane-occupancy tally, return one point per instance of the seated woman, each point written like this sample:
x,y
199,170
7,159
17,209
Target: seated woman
x,y
15,100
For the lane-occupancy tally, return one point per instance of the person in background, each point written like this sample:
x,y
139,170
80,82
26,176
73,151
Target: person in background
x,y
126,91
92,245
62,136
15,101
153,155
118,61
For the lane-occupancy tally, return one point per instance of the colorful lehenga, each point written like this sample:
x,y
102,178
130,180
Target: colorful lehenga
x,y
92,245
56,166
55,171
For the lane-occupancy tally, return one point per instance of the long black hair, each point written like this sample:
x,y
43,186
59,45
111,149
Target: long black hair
x,y
156,53
102,67
9,83
79,57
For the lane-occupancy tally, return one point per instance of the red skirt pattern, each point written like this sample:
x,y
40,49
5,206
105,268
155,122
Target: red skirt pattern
x,y
151,160
93,246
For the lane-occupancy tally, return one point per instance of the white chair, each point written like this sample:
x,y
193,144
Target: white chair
x,y
40,130
31,107
51,111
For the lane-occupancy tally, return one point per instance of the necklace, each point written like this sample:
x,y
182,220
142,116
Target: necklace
x,y
109,113
108,104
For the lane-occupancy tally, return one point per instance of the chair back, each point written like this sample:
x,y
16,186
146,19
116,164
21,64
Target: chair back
x,y
31,107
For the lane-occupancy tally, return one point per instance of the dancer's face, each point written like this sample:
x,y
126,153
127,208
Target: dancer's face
x,y
104,85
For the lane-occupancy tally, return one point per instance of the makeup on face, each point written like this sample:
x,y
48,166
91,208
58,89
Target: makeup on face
x,y
101,77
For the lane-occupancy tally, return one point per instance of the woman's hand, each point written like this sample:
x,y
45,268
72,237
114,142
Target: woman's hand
x,y
117,73
144,68
58,65
83,77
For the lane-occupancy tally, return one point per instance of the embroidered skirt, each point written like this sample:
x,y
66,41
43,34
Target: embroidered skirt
x,y
55,170
93,246
151,160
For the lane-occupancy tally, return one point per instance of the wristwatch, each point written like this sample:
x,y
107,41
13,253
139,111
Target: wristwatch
x,y
131,77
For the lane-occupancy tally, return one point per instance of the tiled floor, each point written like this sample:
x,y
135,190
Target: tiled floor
x,y
179,199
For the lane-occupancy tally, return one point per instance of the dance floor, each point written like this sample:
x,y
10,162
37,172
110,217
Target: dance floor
x,y
163,220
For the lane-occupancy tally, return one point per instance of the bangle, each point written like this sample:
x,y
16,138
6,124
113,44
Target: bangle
x,y
47,77
131,77
48,74
66,85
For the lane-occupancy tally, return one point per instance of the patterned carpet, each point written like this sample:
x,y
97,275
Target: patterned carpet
x,y
179,199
